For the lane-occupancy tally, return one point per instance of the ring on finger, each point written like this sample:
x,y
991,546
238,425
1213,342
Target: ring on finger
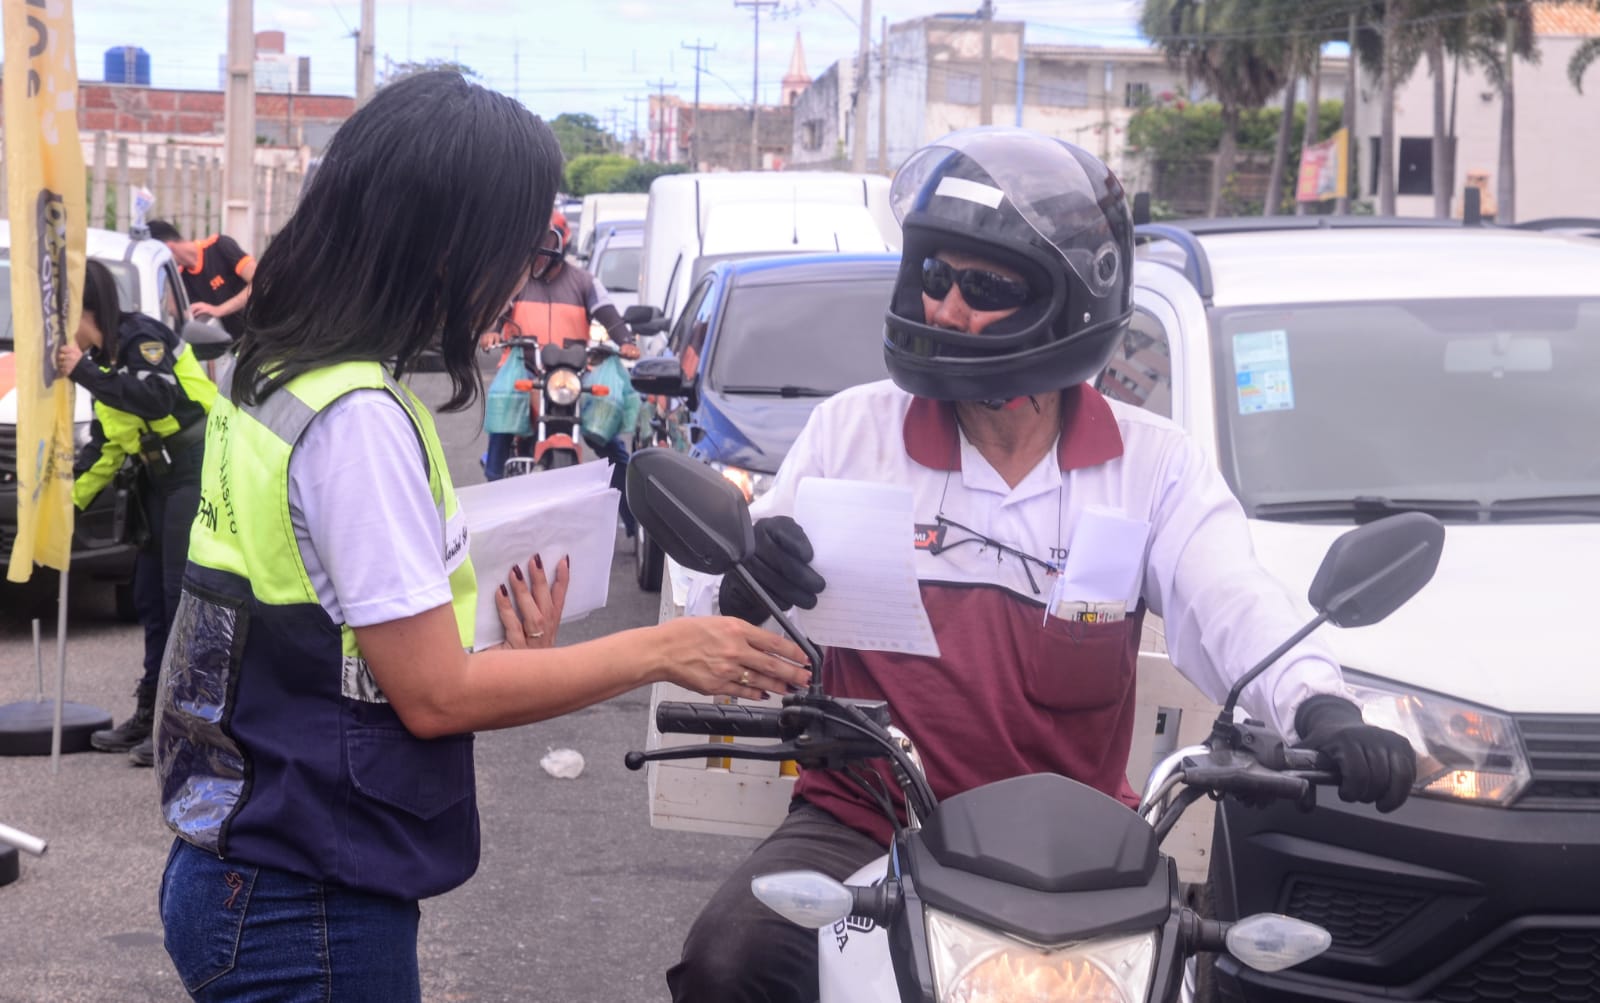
x,y
537,633
744,678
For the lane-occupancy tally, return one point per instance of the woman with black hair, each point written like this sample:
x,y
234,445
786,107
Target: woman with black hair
x,y
314,725
150,403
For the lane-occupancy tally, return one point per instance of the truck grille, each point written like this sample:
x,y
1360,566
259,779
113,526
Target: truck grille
x,y
1534,966
1356,915
1564,757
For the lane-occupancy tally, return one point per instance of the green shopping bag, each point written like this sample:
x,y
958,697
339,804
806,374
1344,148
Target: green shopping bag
x,y
508,410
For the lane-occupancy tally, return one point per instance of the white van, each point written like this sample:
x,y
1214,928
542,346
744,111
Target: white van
x,y
694,220
603,208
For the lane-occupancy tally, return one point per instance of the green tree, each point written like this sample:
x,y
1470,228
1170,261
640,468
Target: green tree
x,y
399,71
1218,44
580,135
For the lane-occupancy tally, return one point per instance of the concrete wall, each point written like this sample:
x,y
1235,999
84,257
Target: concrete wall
x,y
1557,144
821,120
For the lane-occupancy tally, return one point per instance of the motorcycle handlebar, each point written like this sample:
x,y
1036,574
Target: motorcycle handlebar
x,y
732,720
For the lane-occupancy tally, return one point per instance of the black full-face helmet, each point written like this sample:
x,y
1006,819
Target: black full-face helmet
x,y
1041,206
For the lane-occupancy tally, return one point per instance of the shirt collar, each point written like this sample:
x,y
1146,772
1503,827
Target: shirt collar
x,y
1089,433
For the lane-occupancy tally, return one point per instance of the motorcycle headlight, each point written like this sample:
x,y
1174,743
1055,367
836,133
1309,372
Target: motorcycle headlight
x,y
563,386
1464,753
975,965
753,484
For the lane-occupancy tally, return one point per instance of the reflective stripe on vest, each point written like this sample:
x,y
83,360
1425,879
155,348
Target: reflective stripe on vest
x,y
275,745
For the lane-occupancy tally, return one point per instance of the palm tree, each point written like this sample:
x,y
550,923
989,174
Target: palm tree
x,y
1587,53
1502,34
1217,43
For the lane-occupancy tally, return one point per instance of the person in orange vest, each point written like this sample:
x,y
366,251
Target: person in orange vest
x,y
217,273
555,306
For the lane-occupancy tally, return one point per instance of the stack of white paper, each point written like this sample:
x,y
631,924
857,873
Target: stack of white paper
x,y
555,513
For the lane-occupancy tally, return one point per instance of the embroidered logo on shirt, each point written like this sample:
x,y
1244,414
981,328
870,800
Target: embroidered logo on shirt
x,y
153,352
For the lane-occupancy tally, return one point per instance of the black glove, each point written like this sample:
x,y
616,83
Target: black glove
x,y
781,566
1374,764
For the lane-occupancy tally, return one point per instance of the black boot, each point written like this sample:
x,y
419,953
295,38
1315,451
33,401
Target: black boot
x,y
144,754
130,732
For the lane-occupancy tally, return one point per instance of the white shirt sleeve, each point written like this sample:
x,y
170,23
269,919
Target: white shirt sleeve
x,y
1222,610
369,531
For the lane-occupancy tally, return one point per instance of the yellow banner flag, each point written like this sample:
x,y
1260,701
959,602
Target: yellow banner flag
x,y
44,172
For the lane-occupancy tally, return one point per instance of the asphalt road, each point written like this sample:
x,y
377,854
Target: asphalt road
x,y
577,898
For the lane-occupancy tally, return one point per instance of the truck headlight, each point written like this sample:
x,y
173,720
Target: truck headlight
x,y
975,965
1464,753
753,484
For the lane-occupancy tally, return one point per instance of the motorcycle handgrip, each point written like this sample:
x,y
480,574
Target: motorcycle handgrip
x,y
600,391
1252,784
522,386
733,720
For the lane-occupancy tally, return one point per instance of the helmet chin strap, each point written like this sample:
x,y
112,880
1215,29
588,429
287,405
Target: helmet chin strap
x,y
1011,404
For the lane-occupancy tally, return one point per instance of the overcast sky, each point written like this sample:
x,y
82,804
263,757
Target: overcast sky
x,y
554,55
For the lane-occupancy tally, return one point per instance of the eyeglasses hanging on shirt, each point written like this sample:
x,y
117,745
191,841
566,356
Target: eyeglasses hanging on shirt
x,y
943,544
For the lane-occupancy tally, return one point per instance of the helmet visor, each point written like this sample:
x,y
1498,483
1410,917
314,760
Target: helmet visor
x,y
1063,198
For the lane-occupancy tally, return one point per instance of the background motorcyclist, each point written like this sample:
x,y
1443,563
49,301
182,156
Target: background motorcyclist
x,y
1014,289
556,307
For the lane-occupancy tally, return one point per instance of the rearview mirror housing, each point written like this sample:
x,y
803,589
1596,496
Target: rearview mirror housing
x,y
1372,570
209,341
696,515
662,375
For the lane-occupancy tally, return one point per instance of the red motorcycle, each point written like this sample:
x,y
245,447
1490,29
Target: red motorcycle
x,y
555,394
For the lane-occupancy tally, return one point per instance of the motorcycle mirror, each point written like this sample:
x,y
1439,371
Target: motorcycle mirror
x,y
1372,570
1367,574
804,898
695,514
1270,942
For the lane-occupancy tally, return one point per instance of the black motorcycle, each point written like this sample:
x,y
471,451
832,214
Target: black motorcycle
x,y
1036,887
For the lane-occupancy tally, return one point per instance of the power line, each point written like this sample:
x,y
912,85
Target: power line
x,y
756,7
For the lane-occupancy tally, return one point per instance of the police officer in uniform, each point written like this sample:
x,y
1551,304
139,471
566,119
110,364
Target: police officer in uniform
x,y
150,403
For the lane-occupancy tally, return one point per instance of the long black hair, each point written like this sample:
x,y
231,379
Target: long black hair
x,y
414,231
100,302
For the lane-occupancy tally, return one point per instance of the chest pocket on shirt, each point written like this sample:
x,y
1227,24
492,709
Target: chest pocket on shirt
x,y
1080,666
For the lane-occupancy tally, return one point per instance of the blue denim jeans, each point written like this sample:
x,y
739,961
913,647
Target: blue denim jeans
x,y
242,933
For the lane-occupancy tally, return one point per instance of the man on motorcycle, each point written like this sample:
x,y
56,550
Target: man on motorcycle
x,y
556,307
1014,290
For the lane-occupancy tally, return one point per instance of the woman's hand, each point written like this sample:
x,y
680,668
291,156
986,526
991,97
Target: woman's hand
x,y
724,656
530,605
67,355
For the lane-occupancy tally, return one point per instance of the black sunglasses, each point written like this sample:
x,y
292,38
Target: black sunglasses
x,y
983,290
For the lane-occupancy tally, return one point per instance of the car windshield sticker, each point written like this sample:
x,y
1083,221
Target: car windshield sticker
x,y
1261,372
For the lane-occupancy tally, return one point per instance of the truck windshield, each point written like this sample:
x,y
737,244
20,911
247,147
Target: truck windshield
x,y
1425,401
821,336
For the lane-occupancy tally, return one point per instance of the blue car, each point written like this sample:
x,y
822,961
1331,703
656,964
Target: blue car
x,y
759,343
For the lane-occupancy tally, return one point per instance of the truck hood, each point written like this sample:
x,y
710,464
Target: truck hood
x,y
1499,625
82,405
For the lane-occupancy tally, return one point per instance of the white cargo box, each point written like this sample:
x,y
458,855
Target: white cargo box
x,y
744,797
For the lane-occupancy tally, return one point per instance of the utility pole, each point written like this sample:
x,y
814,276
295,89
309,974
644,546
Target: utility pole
x,y
634,100
616,128
858,159
239,126
660,130
516,69
1342,205
694,126
883,98
366,68
986,85
755,79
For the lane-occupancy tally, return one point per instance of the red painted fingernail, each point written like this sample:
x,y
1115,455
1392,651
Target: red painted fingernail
x,y
505,592
538,562
517,570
